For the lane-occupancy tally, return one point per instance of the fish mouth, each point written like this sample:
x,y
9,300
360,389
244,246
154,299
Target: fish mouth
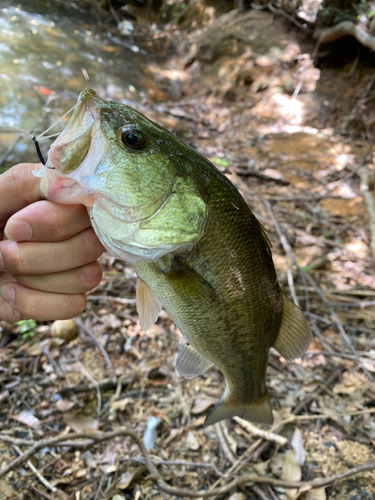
x,y
64,170
69,150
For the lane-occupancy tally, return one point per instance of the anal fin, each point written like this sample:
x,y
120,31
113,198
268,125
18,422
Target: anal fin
x,y
148,304
294,336
190,363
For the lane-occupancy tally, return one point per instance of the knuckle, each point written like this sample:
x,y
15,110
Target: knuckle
x,y
15,258
93,247
75,305
90,276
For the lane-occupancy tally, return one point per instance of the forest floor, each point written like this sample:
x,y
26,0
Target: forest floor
x,y
292,128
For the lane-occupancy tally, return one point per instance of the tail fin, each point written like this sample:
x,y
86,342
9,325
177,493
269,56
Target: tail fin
x,y
259,411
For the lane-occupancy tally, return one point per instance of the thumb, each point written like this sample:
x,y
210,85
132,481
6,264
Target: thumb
x,y
18,188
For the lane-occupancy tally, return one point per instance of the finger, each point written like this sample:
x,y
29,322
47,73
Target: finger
x,y
7,312
80,280
44,258
42,306
18,188
47,221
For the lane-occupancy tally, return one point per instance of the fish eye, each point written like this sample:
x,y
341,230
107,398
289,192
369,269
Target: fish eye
x,y
133,139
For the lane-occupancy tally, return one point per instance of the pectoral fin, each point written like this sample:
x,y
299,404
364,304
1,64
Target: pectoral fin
x,y
148,305
190,363
294,336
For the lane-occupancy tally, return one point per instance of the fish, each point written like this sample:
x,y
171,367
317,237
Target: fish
x,y
195,245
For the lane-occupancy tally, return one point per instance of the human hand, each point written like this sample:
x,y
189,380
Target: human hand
x,y
48,252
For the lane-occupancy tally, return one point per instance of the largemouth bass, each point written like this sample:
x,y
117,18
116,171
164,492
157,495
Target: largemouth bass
x,y
195,245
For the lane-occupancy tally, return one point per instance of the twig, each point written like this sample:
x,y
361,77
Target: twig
x,y
92,336
53,363
288,16
41,478
222,433
112,299
255,431
259,492
155,475
252,173
88,375
104,386
367,177
357,106
38,474
289,251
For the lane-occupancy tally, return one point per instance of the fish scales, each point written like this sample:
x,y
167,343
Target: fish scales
x,y
194,243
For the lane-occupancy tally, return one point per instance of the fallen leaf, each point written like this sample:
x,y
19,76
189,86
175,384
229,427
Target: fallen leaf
x,y
27,418
81,423
192,442
64,405
202,404
172,435
297,445
351,381
129,476
47,344
261,467
237,496
316,494
150,435
121,404
291,471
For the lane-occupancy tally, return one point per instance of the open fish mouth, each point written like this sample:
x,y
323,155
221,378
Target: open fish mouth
x,y
71,157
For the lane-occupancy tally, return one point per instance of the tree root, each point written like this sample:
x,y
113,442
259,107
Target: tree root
x,y
344,29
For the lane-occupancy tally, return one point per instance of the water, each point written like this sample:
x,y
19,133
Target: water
x,y
49,52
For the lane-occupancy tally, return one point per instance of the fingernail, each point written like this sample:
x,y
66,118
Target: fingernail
x,y
18,230
8,293
2,265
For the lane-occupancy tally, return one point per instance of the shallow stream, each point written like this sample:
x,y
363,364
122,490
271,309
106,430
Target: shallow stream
x,y
49,52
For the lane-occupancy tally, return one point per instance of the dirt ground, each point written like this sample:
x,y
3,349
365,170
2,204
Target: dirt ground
x,y
292,128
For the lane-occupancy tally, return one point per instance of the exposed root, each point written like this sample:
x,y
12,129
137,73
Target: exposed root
x,y
344,29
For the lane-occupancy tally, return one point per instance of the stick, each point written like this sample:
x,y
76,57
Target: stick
x,y
255,431
290,253
93,337
245,479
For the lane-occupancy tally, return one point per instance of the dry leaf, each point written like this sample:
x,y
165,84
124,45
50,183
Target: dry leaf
x,y
192,442
237,496
202,404
297,445
47,344
121,404
276,464
291,471
316,494
64,405
172,435
150,435
351,382
81,423
27,418
129,476
261,467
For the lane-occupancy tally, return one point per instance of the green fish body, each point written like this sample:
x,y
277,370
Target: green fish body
x,y
194,243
